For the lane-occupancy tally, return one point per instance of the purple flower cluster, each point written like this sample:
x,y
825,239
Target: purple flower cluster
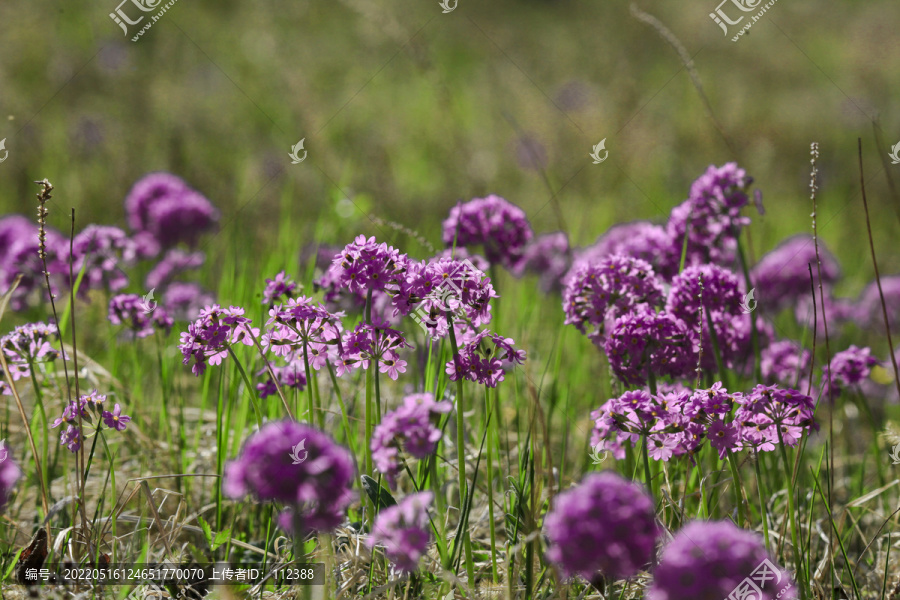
x,y
174,262
782,275
298,465
137,315
605,524
868,311
639,239
643,342
101,252
282,285
785,363
292,375
482,358
9,475
212,334
24,347
847,368
184,301
493,223
377,343
90,407
167,211
410,429
708,561
549,257
600,292
403,531
365,265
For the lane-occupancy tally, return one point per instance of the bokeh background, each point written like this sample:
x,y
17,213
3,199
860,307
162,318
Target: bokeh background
x,y
406,110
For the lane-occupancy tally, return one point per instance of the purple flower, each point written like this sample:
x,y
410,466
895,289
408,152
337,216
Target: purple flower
x,y
605,524
377,343
298,465
847,368
639,239
365,265
300,326
25,346
785,362
643,340
713,209
782,276
9,474
115,419
101,252
174,262
497,225
768,414
19,256
292,375
868,312
600,292
163,205
212,334
282,285
409,428
707,561
548,256
184,301
403,531
484,362
132,311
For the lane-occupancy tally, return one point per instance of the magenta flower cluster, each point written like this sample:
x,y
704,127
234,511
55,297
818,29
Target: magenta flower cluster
x,y
403,531
90,407
494,224
26,346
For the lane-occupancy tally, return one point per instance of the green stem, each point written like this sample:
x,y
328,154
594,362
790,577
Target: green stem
x,y
762,504
309,395
790,494
250,388
738,494
490,484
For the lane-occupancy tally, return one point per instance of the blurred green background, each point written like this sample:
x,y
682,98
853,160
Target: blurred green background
x,y
406,110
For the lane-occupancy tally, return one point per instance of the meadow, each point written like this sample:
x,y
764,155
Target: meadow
x,y
527,299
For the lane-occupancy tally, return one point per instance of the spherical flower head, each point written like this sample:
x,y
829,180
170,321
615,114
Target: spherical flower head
x,y
602,291
605,524
868,311
365,265
298,465
784,362
769,415
639,239
642,340
713,210
210,337
708,560
549,257
163,205
175,261
9,474
782,275
19,256
282,285
404,531
138,315
847,368
101,252
493,223
25,346
185,301
483,358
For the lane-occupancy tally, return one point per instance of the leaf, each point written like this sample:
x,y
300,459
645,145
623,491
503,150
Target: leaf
x,y
379,496
207,530
221,538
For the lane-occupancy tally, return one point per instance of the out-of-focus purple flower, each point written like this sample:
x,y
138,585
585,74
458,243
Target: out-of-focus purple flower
x,y
497,225
642,340
145,245
409,428
184,301
713,209
403,531
212,334
282,285
292,375
785,362
174,262
115,419
131,311
19,255
605,524
9,474
484,361
460,253
781,277
25,346
709,560
101,251
847,368
639,239
531,154
868,312
163,205
601,292
838,311
549,257
298,465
